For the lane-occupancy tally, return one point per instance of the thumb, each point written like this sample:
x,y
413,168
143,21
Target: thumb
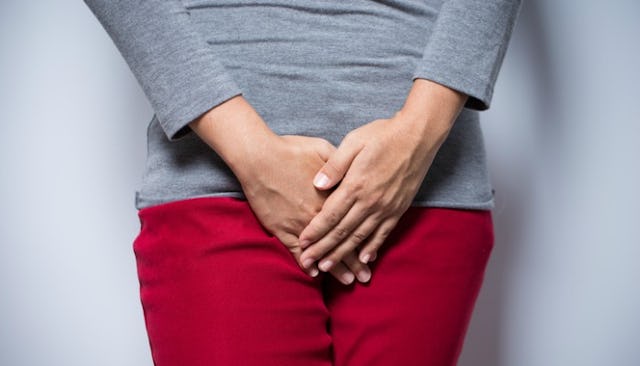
x,y
324,148
336,167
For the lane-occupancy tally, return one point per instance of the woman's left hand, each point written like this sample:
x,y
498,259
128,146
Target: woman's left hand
x,y
380,167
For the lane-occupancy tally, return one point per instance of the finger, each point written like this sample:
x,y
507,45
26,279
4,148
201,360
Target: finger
x,y
333,211
361,270
348,245
369,251
343,274
337,166
343,238
311,268
324,149
331,235
370,257
290,241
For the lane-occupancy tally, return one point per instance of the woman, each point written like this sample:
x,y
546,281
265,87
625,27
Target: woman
x,y
246,202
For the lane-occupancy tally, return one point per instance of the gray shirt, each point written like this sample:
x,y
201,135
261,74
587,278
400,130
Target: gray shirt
x,y
309,67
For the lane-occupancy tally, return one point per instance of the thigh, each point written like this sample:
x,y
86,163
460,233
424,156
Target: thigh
x,y
216,289
417,306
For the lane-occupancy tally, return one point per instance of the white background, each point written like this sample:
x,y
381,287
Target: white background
x,y
563,285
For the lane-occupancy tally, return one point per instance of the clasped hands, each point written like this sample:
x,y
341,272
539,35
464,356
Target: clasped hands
x,y
360,189
359,192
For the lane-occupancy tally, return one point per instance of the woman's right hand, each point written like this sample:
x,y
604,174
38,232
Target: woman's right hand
x,y
276,174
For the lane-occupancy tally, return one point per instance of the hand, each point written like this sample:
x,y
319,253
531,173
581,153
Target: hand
x,y
279,190
380,167
275,173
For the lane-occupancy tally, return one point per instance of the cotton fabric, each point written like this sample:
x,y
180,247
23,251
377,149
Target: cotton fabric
x,y
314,68
217,289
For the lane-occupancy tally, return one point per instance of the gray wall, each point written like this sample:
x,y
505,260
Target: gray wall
x,y
562,287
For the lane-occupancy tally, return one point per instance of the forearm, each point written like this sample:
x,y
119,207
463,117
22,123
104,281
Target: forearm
x,y
431,109
236,132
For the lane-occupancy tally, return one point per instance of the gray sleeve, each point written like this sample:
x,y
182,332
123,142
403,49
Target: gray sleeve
x,y
467,46
177,70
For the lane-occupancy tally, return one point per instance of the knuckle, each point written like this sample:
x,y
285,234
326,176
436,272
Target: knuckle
x,y
314,210
375,207
351,136
326,144
359,184
387,201
359,237
340,232
313,254
332,218
291,224
312,232
399,206
331,167
384,233
374,203
354,187
354,139
315,251
310,210
394,206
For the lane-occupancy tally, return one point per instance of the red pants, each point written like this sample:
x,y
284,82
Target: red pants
x,y
217,289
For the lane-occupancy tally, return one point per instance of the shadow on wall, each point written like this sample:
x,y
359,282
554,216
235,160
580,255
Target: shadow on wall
x,y
512,177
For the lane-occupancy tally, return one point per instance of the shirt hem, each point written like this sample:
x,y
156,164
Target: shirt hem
x,y
142,202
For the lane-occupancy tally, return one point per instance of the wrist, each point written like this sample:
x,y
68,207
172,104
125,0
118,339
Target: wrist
x,y
431,109
236,132
428,98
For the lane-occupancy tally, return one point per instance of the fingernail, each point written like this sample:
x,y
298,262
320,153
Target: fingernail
x,y
304,243
325,265
364,276
314,272
321,180
347,278
364,258
373,257
307,262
